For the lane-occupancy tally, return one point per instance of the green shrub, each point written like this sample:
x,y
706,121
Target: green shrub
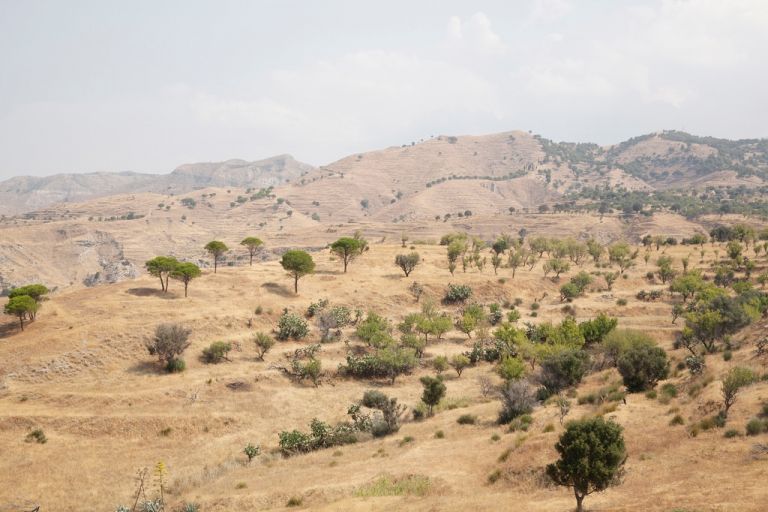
x,y
727,355
457,293
676,420
176,365
495,437
494,476
535,306
642,367
291,326
731,433
294,501
564,369
549,428
651,395
37,436
251,451
755,426
439,434
216,352
669,390
467,419
522,423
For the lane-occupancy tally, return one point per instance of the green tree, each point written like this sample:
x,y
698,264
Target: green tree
x,y
592,454
434,391
620,254
346,249
36,291
23,307
556,265
642,366
161,267
264,342
687,285
595,249
186,272
407,262
459,362
253,245
216,249
298,264
736,378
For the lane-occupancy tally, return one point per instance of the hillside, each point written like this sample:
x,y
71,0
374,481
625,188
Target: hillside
x,y
80,373
26,193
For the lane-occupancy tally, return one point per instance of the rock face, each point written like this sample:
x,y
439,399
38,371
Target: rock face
x,y
27,193
114,266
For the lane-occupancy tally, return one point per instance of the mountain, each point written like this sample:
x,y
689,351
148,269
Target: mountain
x,y
27,193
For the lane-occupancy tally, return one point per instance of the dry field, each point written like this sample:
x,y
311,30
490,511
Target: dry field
x,y
82,374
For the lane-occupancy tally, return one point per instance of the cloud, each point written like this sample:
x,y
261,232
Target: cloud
x,y
549,10
476,34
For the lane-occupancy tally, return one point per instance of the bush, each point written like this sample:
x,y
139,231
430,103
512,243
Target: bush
x,y
618,341
521,423
391,412
564,369
37,436
642,367
457,293
216,352
291,326
621,302
169,342
676,420
755,426
263,343
731,433
467,419
517,398
176,366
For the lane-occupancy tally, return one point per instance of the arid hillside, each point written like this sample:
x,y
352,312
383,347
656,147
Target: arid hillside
x,y
80,373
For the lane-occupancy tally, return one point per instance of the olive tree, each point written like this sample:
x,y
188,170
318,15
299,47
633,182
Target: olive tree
x,y
298,264
407,262
216,249
253,245
736,378
592,454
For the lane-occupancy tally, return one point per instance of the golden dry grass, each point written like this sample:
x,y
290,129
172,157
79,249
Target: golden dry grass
x,y
81,373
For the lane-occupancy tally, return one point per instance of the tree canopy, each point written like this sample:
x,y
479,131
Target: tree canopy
x,y
298,264
253,244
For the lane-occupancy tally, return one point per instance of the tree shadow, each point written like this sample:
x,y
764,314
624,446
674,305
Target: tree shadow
x,y
150,292
145,368
278,289
9,329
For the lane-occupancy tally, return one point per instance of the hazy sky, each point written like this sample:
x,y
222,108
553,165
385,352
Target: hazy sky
x,y
148,85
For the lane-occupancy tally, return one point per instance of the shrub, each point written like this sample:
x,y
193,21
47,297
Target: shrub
x,y
459,362
37,436
315,307
511,368
521,423
755,426
407,262
176,366
676,420
642,367
467,419
595,330
251,451
294,501
216,351
169,342
374,330
439,434
621,302
457,293
563,369
618,341
727,355
391,412
517,398
434,391
291,326
731,433
387,362
736,378
440,364
264,343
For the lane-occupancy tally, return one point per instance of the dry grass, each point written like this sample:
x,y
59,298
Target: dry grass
x,y
80,373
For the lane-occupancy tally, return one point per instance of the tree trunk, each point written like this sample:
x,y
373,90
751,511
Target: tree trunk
x,y
579,502
186,284
21,322
345,264
251,262
167,277
296,284
162,283
215,263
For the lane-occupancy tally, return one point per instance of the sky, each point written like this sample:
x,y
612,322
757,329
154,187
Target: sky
x,y
148,85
